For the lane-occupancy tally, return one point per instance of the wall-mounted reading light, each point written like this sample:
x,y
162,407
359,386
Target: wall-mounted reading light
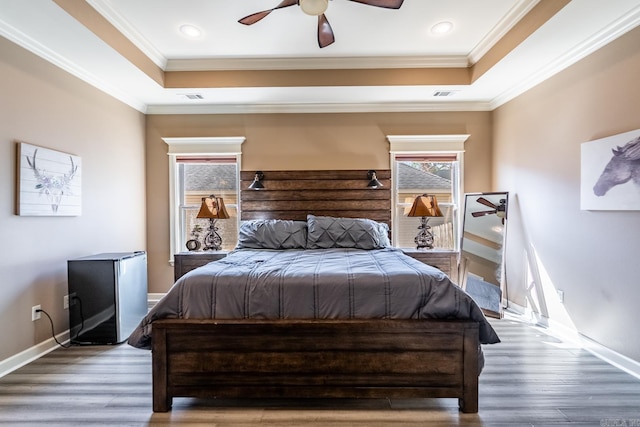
x,y
373,181
257,181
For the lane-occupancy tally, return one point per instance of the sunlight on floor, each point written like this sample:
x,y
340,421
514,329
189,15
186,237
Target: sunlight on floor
x,y
545,305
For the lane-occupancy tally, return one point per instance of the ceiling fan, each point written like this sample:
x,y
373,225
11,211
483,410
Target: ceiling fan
x,y
500,210
317,8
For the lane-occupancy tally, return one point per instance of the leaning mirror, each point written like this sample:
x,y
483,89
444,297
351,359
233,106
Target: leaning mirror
x,y
482,249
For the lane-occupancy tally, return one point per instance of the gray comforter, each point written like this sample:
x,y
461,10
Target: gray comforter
x,y
314,284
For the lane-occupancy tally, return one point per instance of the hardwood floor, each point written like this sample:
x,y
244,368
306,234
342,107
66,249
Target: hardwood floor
x,y
530,379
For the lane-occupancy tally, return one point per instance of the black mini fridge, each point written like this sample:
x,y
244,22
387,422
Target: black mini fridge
x,y
107,296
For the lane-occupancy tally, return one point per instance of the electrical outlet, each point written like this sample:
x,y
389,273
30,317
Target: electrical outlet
x,y
35,314
65,302
560,296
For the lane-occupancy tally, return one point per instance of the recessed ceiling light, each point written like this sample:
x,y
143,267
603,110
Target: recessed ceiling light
x,y
442,27
190,31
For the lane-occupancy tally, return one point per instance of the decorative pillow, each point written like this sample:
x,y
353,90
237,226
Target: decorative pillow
x,y
325,232
272,234
383,234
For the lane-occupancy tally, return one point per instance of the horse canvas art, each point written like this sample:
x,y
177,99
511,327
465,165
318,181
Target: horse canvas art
x,y
611,173
623,167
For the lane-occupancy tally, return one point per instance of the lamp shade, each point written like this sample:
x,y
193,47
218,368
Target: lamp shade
x,y
212,207
373,180
257,181
425,205
256,185
222,210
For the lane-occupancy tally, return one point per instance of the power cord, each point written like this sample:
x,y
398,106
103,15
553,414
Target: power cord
x,y
53,333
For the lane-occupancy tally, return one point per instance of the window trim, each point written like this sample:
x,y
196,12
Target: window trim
x,y
424,145
226,146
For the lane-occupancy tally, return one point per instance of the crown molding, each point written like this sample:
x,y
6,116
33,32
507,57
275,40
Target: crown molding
x,y
613,31
318,108
21,39
522,8
309,63
580,51
106,9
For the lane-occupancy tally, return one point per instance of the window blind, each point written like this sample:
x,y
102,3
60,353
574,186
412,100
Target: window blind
x,y
427,157
206,159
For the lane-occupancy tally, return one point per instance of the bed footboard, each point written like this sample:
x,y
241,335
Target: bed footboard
x,y
315,358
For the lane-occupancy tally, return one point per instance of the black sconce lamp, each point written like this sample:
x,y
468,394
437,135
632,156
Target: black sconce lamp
x,y
257,181
373,181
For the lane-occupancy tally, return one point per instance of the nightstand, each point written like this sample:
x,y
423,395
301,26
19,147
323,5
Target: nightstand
x,y
443,259
187,261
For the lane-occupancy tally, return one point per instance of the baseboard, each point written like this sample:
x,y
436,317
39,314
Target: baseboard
x,y
553,328
29,355
153,298
37,351
614,358
574,337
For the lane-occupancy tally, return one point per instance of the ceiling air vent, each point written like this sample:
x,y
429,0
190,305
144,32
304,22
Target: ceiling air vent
x,y
444,92
192,96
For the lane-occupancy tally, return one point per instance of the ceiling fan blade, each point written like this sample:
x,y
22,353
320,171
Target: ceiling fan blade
x,y
389,4
482,213
486,202
255,17
325,32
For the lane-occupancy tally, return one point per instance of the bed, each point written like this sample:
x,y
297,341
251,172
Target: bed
x,y
321,307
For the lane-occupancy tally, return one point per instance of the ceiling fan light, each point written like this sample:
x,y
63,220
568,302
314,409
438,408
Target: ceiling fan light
x,y
314,7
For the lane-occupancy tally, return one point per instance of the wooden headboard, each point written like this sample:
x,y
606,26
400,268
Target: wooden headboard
x,y
294,194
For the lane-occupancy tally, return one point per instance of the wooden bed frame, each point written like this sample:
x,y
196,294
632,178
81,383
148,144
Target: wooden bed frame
x,y
315,358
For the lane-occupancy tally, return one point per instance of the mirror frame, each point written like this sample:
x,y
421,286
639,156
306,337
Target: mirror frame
x,y
489,240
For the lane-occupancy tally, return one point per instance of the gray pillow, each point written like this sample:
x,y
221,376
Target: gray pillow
x,y
325,232
272,234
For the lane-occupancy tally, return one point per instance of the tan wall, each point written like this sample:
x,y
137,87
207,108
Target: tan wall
x,y
300,142
591,255
43,105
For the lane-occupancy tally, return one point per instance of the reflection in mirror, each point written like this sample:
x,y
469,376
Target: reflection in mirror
x,y
482,249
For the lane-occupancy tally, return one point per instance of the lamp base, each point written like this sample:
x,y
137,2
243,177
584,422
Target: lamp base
x,y
212,240
424,239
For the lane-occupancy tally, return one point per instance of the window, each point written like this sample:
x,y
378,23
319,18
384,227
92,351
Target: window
x,y
200,167
201,177
426,165
424,175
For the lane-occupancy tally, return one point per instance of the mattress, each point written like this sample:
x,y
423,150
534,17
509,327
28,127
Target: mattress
x,y
333,283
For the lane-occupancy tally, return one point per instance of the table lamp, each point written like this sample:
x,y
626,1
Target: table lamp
x,y
424,206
